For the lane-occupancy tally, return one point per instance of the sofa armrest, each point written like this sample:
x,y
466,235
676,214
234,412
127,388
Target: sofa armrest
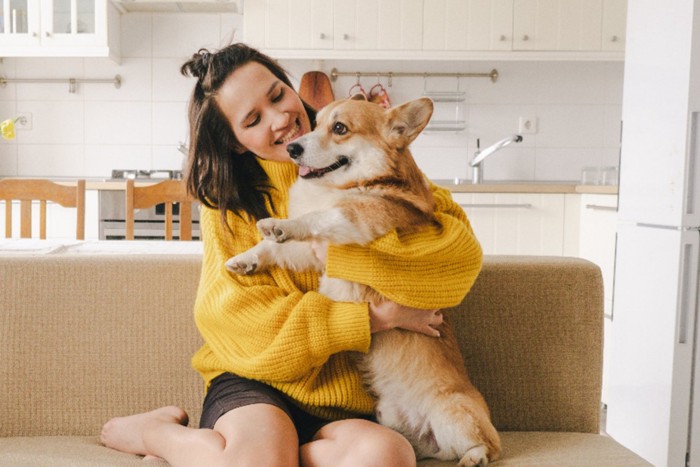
x,y
530,331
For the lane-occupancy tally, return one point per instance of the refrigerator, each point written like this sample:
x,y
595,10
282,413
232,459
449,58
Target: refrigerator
x,y
653,404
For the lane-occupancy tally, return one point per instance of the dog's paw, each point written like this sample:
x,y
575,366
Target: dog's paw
x,y
243,264
475,457
273,229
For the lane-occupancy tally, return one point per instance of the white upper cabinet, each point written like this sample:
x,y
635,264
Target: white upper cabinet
x,y
614,20
59,28
338,25
425,29
571,25
468,24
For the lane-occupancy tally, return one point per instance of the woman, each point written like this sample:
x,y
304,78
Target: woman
x,y
282,386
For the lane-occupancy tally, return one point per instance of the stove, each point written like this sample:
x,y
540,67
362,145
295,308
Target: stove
x,y
149,224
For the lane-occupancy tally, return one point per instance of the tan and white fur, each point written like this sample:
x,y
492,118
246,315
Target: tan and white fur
x,y
357,182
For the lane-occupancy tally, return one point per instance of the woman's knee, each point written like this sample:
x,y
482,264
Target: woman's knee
x,y
370,444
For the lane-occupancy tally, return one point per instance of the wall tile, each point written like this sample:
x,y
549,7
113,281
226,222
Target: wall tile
x,y
180,36
49,68
136,35
168,83
169,123
53,122
118,122
135,76
101,159
45,160
8,159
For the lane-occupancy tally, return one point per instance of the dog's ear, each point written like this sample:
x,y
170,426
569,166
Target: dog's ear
x,y
358,97
406,121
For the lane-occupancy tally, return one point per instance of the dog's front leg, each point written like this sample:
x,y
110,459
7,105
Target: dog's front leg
x,y
297,256
332,225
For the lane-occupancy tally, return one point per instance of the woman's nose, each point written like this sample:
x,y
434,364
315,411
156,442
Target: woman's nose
x,y
280,120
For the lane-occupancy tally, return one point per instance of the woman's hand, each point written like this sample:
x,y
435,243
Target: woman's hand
x,y
386,315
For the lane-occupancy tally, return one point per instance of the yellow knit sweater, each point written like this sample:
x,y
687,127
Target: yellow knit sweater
x,y
274,327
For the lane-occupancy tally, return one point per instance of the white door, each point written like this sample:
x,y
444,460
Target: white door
x,y
652,341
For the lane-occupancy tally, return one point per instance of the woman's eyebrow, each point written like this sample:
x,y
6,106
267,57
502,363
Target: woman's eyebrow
x,y
269,91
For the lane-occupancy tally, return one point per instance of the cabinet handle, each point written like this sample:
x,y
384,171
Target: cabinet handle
x,y
502,38
504,205
322,36
526,38
613,39
600,207
48,34
346,37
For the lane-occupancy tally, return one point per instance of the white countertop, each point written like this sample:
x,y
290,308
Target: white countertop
x,y
32,247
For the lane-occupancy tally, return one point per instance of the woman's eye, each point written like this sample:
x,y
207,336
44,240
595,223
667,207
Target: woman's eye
x,y
339,128
254,122
279,96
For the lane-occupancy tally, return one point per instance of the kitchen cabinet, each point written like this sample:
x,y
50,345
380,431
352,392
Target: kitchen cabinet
x,y
597,242
59,28
467,25
557,25
516,223
366,25
445,29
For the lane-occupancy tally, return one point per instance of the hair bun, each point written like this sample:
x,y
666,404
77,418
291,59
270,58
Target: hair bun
x,y
198,65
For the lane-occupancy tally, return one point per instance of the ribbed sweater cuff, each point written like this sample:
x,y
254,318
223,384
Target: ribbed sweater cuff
x,y
348,327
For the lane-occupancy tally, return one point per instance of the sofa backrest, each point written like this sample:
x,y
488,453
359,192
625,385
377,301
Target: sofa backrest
x,y
87,338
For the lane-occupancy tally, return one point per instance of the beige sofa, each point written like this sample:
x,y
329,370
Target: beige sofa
x,y
87,337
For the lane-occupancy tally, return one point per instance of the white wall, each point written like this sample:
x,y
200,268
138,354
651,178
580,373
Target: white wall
x,y
100,128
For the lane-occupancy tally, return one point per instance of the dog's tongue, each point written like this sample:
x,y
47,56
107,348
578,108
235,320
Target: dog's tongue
x,y
304,170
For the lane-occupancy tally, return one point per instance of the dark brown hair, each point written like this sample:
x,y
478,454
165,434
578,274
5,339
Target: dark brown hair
x,y
216,173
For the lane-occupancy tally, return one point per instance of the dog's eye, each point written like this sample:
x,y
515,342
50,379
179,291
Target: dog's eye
x,y
339,128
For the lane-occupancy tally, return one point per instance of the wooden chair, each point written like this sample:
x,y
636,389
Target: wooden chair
x,y
27,190
166,192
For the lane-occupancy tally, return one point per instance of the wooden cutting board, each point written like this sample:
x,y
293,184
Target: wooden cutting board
x,y
315,89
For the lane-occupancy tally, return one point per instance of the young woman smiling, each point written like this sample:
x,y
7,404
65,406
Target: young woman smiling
x,y
282,386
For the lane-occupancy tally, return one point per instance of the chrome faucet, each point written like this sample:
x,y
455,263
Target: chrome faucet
x,y
479,156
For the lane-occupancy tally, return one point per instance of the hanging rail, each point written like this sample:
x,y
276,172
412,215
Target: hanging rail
x,y
72,82
493,74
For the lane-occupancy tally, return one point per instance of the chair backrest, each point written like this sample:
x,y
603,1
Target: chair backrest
x,y
27,190
166,192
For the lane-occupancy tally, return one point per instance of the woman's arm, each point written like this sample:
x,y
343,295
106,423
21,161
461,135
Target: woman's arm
x,y
268,326
432,268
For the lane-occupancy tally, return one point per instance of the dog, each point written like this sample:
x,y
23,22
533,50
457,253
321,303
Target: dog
x,y
357,182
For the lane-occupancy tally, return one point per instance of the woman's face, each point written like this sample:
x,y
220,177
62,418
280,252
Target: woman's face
x,y
264,113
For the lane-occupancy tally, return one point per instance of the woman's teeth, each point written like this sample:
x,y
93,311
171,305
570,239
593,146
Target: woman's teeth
x,y
290,136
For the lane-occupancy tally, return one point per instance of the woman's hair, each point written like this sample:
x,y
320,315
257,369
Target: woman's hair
x,y
216,173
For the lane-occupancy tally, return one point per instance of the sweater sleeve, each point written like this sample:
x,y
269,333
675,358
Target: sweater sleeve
x,y
264,326
432,268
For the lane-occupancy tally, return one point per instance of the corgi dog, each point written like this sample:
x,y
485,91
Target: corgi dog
x,y
357,182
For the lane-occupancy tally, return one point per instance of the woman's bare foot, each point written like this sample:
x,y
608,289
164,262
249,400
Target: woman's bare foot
x,y
126,433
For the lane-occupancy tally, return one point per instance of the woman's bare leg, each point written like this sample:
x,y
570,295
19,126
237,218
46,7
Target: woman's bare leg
x,y
258,434
356,442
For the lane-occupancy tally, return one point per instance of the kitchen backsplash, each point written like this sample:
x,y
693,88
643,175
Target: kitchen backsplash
x,y
98,128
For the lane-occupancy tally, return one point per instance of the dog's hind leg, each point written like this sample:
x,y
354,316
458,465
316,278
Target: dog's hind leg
x,y
463,431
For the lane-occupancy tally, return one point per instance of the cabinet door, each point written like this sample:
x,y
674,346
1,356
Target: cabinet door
x,y
467,24
21,23
73,22
400,25
288,24
516,223
557,25
614,20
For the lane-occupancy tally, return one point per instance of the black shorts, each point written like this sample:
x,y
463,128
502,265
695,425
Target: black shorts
x,y
228,392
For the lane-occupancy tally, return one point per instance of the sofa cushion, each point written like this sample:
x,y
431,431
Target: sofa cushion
x,y
519,449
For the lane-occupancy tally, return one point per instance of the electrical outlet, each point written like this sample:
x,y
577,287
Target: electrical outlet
x,y
24,121
527,125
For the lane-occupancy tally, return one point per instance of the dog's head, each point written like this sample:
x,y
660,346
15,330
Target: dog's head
x,y
357,140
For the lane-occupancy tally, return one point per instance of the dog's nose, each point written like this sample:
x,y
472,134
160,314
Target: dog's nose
x,y
295,150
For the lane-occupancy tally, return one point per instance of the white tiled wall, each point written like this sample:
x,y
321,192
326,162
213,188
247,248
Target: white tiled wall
x,y
99,128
